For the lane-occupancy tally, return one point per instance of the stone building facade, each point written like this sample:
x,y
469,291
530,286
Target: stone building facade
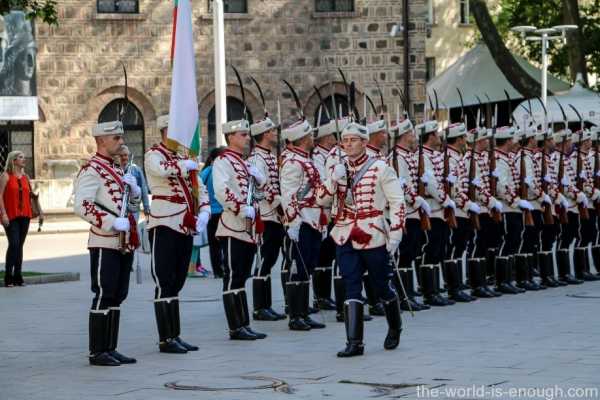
x,y
79,70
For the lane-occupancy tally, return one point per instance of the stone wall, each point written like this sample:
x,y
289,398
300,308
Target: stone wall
x,y
79,62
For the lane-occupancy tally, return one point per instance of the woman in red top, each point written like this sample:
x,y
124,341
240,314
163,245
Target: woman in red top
x,y
15,208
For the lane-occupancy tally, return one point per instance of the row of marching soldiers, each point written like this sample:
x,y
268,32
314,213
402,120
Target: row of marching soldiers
x,y
490,212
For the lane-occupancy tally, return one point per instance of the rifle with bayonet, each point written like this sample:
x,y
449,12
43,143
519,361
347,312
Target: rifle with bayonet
x,y
583,210
562,211
546,208
449,214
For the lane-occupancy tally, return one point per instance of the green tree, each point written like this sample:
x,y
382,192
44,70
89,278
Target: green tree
x,y
44,10
581,54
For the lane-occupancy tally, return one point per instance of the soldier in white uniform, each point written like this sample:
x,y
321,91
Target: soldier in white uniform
x,y
175,216
377,139
99,194
595,157
436,238
269,229
325,141
305,219
365,240
404,162
236,184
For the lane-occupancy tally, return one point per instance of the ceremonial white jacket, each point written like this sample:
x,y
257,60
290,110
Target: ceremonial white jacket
x,y
268,196
460,189
231,181
98,190
569,187
362,220
407,167
320,156
374,152
435,195
532,169
302,193
172,191
506,167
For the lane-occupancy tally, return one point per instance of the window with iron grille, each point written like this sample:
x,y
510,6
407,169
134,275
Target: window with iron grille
x,y
232,6
133,125
334,5
118,6
465,14
17,135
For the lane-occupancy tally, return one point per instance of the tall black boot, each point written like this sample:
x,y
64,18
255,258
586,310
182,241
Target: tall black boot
x,y
405,276
503,274
546,267
564,267
99,331
235,318
269,300
485,268
340,296
166,330
490,262
429,282
582,265
115,316
321,280
176,323
259,300
354,312
375,306
534,270
305,296
452,276
522,273
242,305
394,320
596,258
512,273
477,279
295,301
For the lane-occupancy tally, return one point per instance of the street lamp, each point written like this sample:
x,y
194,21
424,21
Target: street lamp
x,y
558,32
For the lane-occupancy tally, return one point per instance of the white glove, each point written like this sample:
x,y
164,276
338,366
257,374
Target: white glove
x,y
402,182
422,204
121,224
293,232
425,178
452,179
525,205
249,212
596,195
130,181
339,173
528,181
497,205
324,234
257,174
583,175
392,246
565,181
496,173
546,199
190,165
581,199
547,179
449,203
598,173
473,207
477,182
562,200
202,221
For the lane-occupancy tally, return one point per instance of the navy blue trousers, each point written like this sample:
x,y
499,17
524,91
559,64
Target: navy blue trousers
x,y
353,264
305,253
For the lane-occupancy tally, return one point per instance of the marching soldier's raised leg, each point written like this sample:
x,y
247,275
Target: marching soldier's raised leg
x,y
101,191
173,221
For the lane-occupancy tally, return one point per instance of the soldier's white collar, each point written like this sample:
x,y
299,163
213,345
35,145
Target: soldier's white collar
x,y
359,161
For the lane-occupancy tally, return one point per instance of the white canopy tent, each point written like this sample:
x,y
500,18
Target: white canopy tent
x,y
477,74
586,101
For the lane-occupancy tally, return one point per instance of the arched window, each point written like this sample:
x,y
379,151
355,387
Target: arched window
x,y
133,124
235,110
341,104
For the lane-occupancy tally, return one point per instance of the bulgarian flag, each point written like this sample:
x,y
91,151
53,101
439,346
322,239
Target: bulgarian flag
x,y
184,120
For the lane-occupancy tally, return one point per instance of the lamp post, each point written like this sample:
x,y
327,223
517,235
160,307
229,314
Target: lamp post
x,y
544,35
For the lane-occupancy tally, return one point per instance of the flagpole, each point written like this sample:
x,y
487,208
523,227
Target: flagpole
x,y
220,75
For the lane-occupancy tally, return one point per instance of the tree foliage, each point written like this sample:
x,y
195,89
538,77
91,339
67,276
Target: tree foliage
x,y
44,10
549,13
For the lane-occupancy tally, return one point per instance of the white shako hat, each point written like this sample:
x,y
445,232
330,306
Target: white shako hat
x,y
585,135
505,132
240,125
354,129
262,126
482,133
162,122
401,128
595,131
456,130
108,128
562,135
378,126
540,135
330,127
297,130
427,127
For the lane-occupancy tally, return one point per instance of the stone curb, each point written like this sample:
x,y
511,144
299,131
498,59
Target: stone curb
x,y
51,278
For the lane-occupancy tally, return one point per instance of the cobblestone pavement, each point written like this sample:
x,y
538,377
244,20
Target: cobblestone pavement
x,y
547,340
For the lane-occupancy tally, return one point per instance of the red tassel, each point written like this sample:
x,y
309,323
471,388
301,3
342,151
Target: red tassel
x,y
189,221
134,239
260,225
359,236
323,218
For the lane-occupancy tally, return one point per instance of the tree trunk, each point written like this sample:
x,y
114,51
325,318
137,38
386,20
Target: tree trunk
x,y
574,40
521,80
